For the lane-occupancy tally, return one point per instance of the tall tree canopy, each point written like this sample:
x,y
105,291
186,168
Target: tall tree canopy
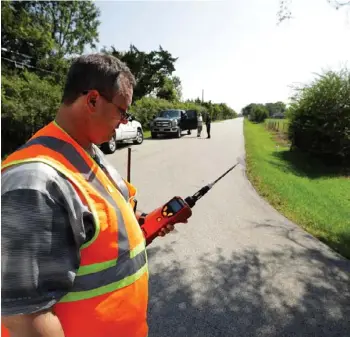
x,y
73,24
150,69
171,89
33,31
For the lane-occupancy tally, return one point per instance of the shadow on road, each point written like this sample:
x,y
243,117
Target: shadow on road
x,y
242,296
337,243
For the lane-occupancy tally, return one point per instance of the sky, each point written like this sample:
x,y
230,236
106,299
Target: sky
x,y
234,50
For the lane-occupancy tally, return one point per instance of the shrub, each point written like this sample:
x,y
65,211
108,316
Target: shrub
x,y
258,113
320,117
27,103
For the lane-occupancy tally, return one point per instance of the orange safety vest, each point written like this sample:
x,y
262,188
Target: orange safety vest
x,y
110,291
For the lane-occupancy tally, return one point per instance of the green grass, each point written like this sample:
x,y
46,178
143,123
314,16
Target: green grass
x,y
146,134
312,195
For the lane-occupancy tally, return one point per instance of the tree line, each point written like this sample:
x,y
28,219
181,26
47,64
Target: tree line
x,y
258,112
318,117
39,41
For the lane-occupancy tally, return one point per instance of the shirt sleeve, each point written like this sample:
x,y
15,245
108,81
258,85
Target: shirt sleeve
x,y
41,235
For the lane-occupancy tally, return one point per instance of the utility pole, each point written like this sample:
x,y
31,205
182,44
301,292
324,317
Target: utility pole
x,y
202,95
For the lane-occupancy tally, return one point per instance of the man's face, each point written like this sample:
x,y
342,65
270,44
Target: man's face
x,y
106,116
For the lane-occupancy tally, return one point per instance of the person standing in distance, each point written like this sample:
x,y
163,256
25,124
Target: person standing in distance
x,y
73,254
208,124
199,124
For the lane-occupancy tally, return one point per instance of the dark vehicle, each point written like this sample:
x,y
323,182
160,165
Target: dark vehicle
x,y
173,122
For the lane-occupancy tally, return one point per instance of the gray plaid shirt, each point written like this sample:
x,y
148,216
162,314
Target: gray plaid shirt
x,y
43,225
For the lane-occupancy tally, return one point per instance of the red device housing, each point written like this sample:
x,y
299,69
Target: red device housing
x,y
174,211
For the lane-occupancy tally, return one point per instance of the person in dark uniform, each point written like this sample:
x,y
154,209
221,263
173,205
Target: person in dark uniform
x,y
207,124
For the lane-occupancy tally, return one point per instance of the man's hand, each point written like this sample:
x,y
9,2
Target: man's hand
x,y
168,229
43,324
165,230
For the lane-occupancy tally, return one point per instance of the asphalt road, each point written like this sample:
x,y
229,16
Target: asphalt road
x,y
238,268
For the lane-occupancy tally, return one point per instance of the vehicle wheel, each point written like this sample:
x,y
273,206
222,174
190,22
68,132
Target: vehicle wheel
x,y
139,137
178,133
110,146
188,132
154,135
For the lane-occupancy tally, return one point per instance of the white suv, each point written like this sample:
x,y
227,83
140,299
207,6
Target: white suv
x,y
132,131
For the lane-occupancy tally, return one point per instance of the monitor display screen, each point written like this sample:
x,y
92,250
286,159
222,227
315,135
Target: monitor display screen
x,y
175,205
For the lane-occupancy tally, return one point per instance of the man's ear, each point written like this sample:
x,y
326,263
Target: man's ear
x,y
91,99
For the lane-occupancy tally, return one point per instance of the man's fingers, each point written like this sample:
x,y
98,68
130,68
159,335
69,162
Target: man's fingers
x,y
166,230
170,228
162,232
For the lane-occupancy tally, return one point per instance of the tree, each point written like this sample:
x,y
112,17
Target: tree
x,y
39,34
258,113
27,103
285,13
247,109
177,86
74,24
150,69
226,112
320,117
218,111
38,41
272,108
170,90
24,38
276,108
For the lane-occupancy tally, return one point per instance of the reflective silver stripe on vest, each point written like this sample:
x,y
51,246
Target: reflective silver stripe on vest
x,y
74,157
124,267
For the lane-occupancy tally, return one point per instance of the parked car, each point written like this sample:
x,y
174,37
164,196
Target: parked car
x,y
130,132
173,122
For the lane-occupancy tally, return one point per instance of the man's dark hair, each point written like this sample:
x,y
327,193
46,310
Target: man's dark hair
x,y
99,72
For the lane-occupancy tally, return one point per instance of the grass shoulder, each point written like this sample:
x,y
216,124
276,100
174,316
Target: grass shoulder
x,y
146,134
314,196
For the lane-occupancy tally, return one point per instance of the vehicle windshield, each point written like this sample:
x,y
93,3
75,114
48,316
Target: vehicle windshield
x,y
169,114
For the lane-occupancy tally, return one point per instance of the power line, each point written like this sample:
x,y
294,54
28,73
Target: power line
x,y
23,64
17,53
27,65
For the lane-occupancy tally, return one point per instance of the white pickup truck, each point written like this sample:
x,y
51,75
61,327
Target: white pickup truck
x,y
130,132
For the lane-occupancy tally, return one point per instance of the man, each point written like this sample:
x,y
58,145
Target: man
x,y
73,254
200,124
207,124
